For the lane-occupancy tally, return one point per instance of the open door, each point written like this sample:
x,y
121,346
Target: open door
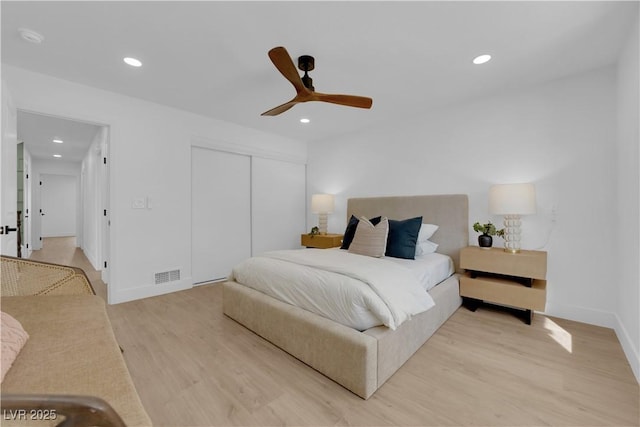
x,y
8,174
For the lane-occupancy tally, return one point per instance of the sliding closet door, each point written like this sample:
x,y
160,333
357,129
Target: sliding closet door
x,y
220,212
278,202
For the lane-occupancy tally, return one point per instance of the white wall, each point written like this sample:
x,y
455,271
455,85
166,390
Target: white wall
x,y
277,186
150,157
560,136
51,167
627,232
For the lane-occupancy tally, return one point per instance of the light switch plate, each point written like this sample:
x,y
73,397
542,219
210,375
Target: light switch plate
x,y
139,203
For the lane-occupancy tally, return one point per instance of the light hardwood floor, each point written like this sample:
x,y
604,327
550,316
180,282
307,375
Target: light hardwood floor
x,y
63,250
193,366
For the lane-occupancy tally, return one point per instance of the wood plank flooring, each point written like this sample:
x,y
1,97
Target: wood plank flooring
x,y
193,366
63,250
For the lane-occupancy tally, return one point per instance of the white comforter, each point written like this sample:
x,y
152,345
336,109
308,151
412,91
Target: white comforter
x,y
355,290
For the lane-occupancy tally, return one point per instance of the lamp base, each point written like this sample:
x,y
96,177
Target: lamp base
x,y
322,223
512,233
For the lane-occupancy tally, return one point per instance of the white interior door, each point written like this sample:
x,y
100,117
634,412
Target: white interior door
x,y
220,212
8,174
278,200
59,205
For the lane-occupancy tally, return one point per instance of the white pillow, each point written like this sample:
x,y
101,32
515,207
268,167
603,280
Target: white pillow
x,y
426,247
369,239
426,231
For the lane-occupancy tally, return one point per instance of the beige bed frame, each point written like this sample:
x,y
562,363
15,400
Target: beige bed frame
x,y
361,361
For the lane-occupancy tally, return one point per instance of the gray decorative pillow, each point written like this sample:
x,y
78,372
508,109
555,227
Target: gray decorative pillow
x,y
369,239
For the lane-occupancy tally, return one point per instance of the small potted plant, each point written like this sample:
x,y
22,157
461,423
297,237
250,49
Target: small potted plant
x,y
486,231
314,232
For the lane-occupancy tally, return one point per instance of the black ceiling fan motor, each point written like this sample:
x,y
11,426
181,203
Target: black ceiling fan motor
x,y
307,63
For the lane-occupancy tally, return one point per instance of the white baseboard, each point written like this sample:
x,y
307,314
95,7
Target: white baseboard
x,y
131,294
627,346
602,318
605,319
26,253
92,259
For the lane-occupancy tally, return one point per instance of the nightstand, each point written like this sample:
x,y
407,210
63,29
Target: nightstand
x,y
513,280
321,241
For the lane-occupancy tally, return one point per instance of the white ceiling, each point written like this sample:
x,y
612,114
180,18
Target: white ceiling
x,y
210,58
38,132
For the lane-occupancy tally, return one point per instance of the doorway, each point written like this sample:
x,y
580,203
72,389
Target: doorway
x,y
69,174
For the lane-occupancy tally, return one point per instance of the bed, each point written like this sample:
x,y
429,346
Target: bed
x,y
361,361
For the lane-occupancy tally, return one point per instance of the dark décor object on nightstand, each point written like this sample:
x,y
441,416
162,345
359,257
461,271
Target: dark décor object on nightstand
x,y
485,241
487,230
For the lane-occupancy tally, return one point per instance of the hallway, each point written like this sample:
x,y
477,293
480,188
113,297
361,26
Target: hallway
x,y
63,250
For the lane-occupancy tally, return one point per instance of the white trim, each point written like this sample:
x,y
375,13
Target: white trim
x,y
247,150
604,319
94,263
627,346
66,116
591,316
134,293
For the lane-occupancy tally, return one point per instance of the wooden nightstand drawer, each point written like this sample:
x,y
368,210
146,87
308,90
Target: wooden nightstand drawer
x,y
504,291
321,241
531,264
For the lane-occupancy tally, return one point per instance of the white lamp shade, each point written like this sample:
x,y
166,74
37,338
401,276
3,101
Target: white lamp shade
x,y
512,199
322,203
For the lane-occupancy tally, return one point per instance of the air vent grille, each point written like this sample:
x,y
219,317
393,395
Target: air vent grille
x,y
167,276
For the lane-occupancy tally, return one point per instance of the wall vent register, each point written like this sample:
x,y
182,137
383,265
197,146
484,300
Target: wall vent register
x,y
167,276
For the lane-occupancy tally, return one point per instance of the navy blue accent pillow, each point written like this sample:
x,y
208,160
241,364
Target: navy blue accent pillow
x,y
350,231
403,236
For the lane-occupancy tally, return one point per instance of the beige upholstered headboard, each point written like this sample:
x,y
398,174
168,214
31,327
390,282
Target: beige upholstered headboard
x,y
450,212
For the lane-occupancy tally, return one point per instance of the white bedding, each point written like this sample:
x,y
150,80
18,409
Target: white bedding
x,y
429,269
355,290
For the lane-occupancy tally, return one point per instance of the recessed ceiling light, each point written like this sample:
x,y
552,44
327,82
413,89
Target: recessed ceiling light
x,y
481,59
133,62
30,35
304,120
57,155
58,141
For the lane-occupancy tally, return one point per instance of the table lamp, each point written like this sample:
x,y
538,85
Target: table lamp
x,y
322,204
512,200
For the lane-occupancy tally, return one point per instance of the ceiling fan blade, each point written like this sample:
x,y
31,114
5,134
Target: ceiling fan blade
x,y
283,62
348,100
280,108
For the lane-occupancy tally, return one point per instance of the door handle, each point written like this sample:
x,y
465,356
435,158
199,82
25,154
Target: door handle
x,y
6,229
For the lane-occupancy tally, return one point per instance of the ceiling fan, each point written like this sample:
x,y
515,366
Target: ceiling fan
x,y
304,85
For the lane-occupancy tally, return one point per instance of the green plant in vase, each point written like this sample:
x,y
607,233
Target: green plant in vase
x,y
486,231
